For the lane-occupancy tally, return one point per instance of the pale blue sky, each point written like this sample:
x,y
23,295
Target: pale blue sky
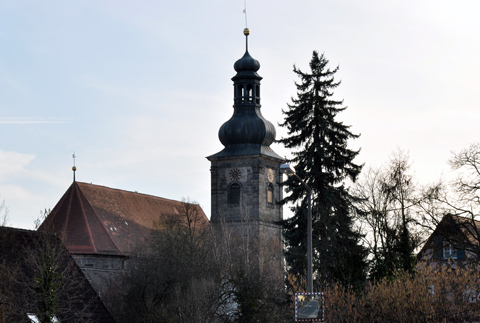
x,y
139,89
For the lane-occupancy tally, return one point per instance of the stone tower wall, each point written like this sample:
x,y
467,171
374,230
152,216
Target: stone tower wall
x,y
254,184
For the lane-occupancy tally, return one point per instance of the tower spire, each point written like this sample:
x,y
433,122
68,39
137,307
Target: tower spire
x,y
247,132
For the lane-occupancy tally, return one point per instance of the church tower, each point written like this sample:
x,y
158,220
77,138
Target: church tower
x,y
245,175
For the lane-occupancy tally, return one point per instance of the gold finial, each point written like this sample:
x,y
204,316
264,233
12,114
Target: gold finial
x,y
74,168
246,31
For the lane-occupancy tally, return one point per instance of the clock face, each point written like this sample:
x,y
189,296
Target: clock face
x,y
270,175
235,174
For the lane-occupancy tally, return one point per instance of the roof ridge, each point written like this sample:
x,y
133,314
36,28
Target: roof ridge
x,y
90,237
69,206
463,217
60,202
134,192
19,229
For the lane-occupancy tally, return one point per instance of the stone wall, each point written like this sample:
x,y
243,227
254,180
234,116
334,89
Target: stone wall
x,y
101,270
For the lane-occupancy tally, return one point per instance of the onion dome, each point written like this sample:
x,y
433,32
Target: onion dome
x,y
247,132
247,127
246,64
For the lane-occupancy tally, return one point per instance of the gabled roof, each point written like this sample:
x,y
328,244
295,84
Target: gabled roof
x,y
93,219
21,256
454,227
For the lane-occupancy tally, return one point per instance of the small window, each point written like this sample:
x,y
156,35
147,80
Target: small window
x,y
234,194
449,251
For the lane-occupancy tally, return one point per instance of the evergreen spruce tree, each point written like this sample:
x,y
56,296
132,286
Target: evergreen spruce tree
x,y
322,159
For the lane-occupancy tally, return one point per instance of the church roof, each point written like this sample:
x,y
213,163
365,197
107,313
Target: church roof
x,y
93,219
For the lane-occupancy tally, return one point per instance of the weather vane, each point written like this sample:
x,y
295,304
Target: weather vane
x,y
245,12
74,168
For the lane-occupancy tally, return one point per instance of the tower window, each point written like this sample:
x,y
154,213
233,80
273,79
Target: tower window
x,y
270,195
241,92
234,194
249,92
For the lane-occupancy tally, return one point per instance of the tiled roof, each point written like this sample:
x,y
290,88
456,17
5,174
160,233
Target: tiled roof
x,y
21,252
93,219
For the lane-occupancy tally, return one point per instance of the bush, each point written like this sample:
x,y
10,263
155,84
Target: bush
x,y
433,294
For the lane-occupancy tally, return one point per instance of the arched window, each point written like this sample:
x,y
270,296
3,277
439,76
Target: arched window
x,y
257,94
270,195
234,194
239,94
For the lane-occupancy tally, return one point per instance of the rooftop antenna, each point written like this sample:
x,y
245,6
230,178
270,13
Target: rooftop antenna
x,y
74,168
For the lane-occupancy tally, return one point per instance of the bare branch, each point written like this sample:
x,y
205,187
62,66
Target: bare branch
x,y
4,214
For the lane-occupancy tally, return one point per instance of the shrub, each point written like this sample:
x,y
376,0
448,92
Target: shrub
x,y
433,294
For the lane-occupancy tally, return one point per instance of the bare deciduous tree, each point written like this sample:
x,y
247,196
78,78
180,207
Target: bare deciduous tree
x,y
388,199
457,203
4,214
40,277
175,276
189,272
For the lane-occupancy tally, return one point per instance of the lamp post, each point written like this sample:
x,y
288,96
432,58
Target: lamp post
x,y
290,171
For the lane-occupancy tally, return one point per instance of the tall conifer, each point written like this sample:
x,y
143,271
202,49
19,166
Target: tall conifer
x,y
322,159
